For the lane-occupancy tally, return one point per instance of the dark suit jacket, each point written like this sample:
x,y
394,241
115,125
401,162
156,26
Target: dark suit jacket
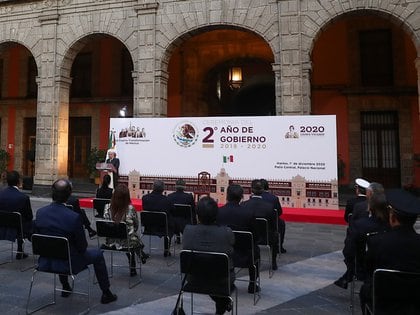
x,y
264,209
180,197
209,238
360,210
13,200
58,220
115,162
158,202
274,200
397,249
239,218
350,205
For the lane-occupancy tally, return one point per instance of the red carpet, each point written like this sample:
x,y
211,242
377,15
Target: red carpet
x,y
289,214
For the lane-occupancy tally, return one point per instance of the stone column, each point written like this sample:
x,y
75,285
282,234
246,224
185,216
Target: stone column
x,y
294,75
52,112
145,94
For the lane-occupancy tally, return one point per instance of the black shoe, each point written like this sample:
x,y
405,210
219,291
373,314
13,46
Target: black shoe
x,y
341,282
67,289
92,233
274,265
252,290
221,308
167,253
144,257
283,250
108,297
20,256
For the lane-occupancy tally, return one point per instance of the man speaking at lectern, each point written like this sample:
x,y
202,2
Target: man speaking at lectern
x,y
112,158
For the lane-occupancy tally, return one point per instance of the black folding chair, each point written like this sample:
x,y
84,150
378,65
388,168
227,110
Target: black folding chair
x,y
207,273
117,231
244,257
155,223
395,292
11,230
55,248
263,239
182,215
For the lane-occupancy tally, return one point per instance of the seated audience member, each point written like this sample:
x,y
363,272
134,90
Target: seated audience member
x,y
210,237
360,190
75,205
58,220
13,200
157,201
237,217
361,209
103,192
397,249
121,210
274,200
181,197
264,209
355,242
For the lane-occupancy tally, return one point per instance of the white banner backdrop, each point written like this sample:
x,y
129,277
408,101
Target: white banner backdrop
x,y
271,147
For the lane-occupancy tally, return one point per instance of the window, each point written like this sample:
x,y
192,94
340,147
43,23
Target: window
x,y
81,72
376,57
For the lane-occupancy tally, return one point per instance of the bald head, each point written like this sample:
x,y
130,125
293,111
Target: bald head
x,y
61,190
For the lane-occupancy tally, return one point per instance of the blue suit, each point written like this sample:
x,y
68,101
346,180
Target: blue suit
x,y
181,197
13,200
58,220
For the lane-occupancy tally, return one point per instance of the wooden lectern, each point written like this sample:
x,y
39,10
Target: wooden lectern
x,y
106,168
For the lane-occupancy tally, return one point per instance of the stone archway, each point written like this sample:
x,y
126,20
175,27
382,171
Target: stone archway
x,y
198,70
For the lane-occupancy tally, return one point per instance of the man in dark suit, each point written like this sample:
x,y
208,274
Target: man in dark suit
x,y
397,249
181,197
156,201
112,158
239,218
274,200
264,209
208,236
360,189
13,200
58,220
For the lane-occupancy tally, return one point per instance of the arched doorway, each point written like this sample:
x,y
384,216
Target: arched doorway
x,y
199,83
101,86
369,81
18,99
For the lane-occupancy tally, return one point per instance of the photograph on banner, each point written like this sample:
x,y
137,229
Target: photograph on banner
x,y
296,154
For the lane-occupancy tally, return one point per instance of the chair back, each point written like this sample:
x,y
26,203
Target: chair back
x,y
183,211
209,272
49,246
261,227
111,229
154,222
99,204
244,255
10,226
396,291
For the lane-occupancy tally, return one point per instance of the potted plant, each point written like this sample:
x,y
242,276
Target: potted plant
x,y
95,156
4,160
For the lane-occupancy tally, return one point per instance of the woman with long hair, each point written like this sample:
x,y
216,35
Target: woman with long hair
x,y
121,210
